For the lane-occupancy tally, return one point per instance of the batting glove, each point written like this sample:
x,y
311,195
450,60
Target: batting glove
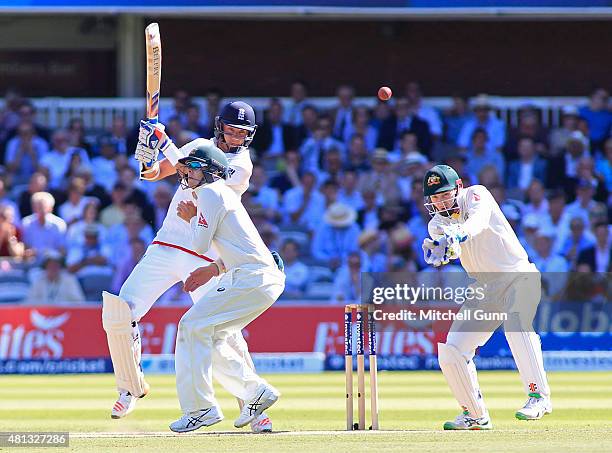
x,y
152,139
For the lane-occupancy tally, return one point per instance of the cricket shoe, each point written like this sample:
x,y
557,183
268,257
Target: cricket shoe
x,y
465,421
126,403
261,424
197,419
265,396
536,407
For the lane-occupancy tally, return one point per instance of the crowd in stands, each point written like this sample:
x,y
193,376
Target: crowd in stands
x,y
338,192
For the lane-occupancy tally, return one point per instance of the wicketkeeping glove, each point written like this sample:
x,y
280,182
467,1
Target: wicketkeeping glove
x,y
152,139
454,235
434,252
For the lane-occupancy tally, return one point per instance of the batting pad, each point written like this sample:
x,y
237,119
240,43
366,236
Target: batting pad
x,y
526,349
123,344
461,378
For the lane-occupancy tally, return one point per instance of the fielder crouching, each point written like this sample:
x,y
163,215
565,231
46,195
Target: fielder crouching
x,y
250,282
468,223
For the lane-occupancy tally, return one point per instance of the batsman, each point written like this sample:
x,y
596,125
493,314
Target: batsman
x,y
467,223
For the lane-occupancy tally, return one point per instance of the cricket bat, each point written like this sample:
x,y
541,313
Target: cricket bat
x,y
154,56
153,46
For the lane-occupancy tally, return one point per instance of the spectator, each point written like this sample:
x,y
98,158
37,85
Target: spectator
x,y
559,219
367,216
529,226
274,136
537,202
72,210
407,145
270,235
372,256
178,110
358,155
545,259
290,173
598,256
313,150
585,191
55,285
293,113
175,129
598,116
566,165
343,113
75,234
603,166
193,121
23,153
576,242
304,205
42,230
349,193
11,244
553,266
559,136
296,272
211,110
93,190
528,167
128,262
402,250
27,115
362,125
484,119
113,214
347,284
76,135
306,130
162,197
455,118
332,166
489,176
381,179
529,126
425,112
409,169
6,201
417,226
336,236
9,114
265,196
37,183
133,226
105,171
58,159
129,177
91,257
405,119
479,155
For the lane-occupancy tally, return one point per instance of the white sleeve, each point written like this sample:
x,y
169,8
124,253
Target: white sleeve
x,y
479,202
210,213
239,175
434,228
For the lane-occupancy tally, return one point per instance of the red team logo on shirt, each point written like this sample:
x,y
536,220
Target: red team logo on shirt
x,y
202,221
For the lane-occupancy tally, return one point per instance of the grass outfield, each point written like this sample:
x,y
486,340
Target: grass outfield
x,y
413,406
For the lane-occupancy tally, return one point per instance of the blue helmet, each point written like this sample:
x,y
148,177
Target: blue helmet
x,y
236,114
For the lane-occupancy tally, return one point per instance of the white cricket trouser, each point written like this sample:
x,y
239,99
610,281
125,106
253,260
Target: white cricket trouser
x,y
240,296
159,269
520,301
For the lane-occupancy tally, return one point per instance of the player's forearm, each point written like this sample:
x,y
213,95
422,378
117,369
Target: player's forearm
x,y
164,169
477,222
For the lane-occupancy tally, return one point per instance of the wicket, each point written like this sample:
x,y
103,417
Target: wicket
x,y
363,313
